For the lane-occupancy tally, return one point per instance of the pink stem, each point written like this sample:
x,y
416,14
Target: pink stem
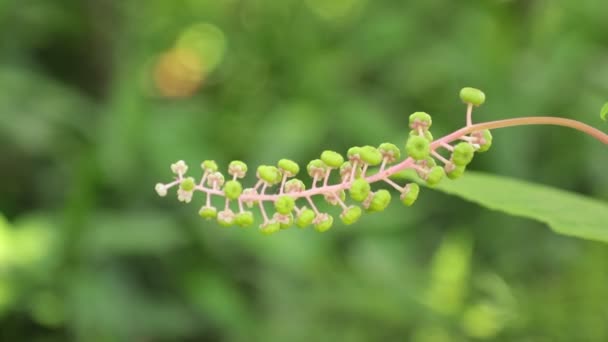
x,y
439,156
353,171
326,177
283,183
312,204
469,114
393,184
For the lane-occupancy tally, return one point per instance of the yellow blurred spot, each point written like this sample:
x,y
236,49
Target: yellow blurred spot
x,y
178,73
336,9
206,41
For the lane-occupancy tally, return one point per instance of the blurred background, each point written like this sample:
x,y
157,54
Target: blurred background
x,y
99,97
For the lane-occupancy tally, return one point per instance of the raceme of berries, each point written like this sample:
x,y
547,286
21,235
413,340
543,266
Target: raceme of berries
x,y
293,202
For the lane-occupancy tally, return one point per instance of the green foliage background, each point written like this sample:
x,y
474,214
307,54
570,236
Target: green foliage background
x,y
88,251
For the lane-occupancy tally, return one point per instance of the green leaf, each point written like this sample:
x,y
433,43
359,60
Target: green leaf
x,y
565,212
604,111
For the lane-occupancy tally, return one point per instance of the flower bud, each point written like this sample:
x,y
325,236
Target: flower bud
x,y
208,213
233,189
187,184
179,167
371,155
463,154
473,96
285,221
323,222
359,190
410,194
332,159
354,153
417,147
380,200
294,185
244,219
269,174
225,218
289,167
209,166
389,151
316,168
161,189
351,215
420,119
305,218
237,168
215,177
284,204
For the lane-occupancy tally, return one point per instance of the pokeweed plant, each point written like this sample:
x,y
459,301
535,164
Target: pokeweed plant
x,y
334,175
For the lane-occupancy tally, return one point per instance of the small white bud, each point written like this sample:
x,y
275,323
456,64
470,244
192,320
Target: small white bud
x,y
161,189
179,168
184,196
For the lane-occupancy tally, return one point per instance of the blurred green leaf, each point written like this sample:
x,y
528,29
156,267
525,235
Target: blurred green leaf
x,y
604,111
565,212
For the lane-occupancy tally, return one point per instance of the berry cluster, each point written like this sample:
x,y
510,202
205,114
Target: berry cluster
x,y
293,201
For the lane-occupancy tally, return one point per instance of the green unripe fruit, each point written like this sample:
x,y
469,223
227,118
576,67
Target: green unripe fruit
x,y
284,204
269,174
244,219
410,194
237,168
354,153
371,155
209,165
324,224
359,190
290,167
351,215
456,172
472,96
332,159
485,137
380,200
233,189
417,147
435,175
208,213
294,185
270,227
420,119
389,151
427,162
427,135
305,218
463,154
187,184
316,167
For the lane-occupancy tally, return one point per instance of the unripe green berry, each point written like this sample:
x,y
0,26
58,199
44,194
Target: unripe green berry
x,y
208,213
472,96
410,194
332,159
380,200
284,204
371,155
244,219
305,218
269,174
187,184
389,151
486,140
417,147
237,168
233,189
270,227
324,222
420,119
351,215
294,185
463,154
209,166
427,134
316,167
435,175
289,167
456,172
354,153
359,190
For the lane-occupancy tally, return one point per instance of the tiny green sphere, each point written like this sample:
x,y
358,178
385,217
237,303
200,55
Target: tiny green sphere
x,y
420,118
324,224
354,153
428,135
187,184
237,168
410,194
463,154
390,151
435,175
269,174
208,213
359,190
270,228
244,219
351,215
290,167
233,189
486,138
305,218
371,155
417,147
381,200
284,204
332,159
294,185
316,167
472,96
456,172
209,165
